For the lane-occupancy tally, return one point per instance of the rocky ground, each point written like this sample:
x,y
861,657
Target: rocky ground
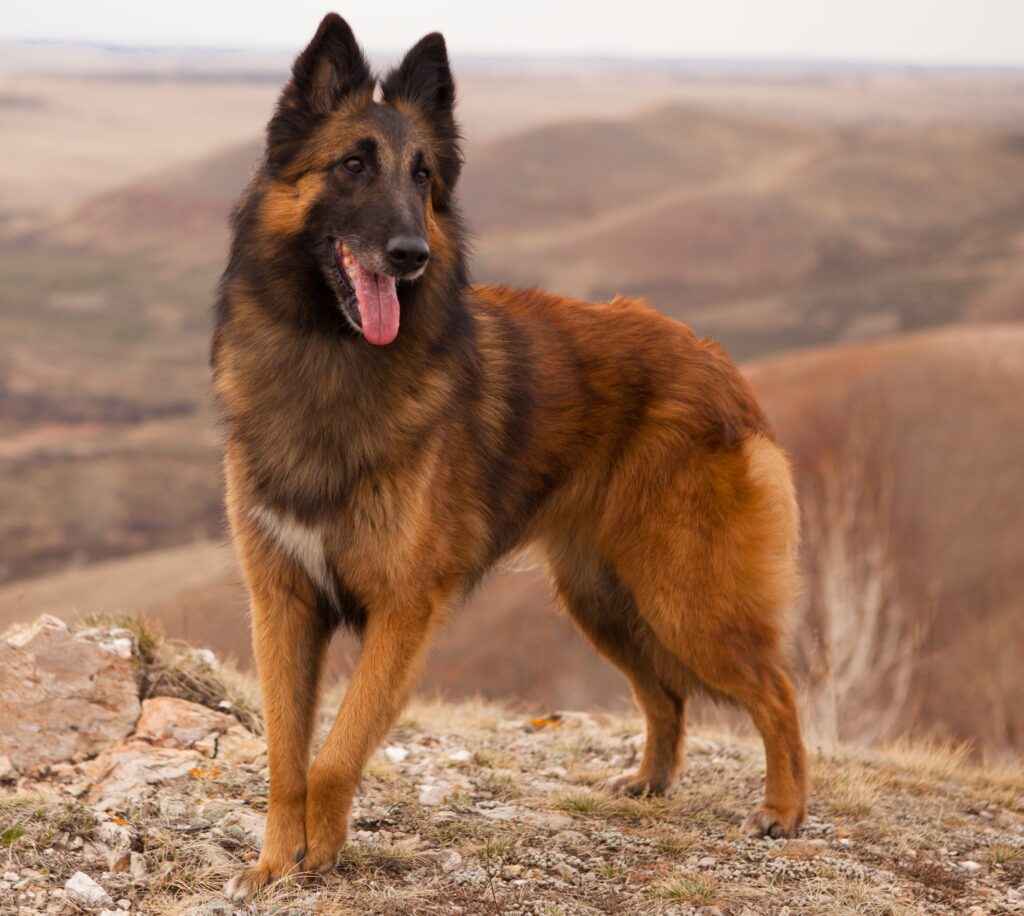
x,y
160,796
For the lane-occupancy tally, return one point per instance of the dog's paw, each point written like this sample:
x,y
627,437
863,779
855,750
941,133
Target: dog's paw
x,y
768,822
247,882
637,785
321,861
250,880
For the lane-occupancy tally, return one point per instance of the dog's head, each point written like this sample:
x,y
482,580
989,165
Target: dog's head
x,y
364,182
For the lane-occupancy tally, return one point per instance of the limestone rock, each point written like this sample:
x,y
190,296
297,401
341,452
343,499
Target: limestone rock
x,y
127,771
239,745
431,795
175,723
64,694
80,888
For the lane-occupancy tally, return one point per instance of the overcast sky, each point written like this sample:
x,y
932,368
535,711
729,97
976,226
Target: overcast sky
x,y
972,32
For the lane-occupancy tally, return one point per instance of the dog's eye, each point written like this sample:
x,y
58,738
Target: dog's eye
x,y
422,176
354,165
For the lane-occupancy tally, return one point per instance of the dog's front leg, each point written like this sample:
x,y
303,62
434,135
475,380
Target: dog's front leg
x,y
394,646
289,639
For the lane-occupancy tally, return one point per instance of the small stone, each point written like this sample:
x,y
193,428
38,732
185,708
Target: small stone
x,y
238,745
11,876
445,859
396,754
549,819
82,889
499,813
207,658
970,866
707,862
460,756
124,904
252,824
206,746
115,835
138,869
1014,896
566,871
431,795
119,862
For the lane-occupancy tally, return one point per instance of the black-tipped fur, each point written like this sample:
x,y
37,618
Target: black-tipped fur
x,y
332,66
424,80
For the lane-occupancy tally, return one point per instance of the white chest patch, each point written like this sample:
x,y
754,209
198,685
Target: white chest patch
x,y
303,543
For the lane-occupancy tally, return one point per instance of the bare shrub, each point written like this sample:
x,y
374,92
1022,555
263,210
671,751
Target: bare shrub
x,y
862,635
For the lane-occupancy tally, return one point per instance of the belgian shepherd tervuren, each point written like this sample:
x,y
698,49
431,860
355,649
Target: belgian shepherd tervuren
x,y
392,431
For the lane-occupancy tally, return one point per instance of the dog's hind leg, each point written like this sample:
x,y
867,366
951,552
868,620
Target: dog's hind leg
x,y
603,610
712,569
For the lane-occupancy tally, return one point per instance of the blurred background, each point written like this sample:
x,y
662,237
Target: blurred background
x,y
834,191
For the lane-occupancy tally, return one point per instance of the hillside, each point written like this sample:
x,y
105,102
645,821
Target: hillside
x,y
767,233
472,809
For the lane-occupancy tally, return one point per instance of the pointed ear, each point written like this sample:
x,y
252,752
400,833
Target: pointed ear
x,y
331,67
424,80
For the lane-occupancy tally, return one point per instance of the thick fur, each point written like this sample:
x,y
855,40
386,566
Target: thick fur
x,y
373,486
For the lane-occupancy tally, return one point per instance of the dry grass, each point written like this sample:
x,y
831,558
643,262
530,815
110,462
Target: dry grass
x,y
850,791
687,889
931,760
171,668
880,838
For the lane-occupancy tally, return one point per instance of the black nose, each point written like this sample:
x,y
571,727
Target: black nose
x,y
407,252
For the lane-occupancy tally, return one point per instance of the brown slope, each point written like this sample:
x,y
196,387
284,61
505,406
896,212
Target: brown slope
x,y
175,216
908,457
764,236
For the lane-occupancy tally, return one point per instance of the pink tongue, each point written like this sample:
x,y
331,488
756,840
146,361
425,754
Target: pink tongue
x,y
378,305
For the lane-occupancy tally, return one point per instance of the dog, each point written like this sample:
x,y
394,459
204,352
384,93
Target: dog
x,y
392,431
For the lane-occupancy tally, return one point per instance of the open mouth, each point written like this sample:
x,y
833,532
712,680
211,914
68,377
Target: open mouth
x,y
369,300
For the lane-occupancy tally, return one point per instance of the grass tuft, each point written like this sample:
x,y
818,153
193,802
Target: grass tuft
x,y
687,889
171,668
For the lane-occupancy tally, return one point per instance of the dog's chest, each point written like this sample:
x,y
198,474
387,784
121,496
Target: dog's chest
x,y
372,541
304,544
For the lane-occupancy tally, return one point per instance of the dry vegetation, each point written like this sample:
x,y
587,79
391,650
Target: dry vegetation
x,y
472,809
